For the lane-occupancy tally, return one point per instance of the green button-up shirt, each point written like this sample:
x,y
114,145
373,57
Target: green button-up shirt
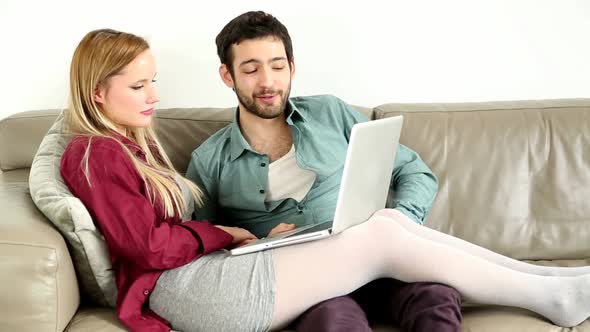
x,y
234,177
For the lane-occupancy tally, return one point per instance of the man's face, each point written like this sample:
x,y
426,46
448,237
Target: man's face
x,y
261,76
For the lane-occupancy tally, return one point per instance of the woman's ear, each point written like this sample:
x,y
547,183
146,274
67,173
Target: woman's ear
x,y
99,94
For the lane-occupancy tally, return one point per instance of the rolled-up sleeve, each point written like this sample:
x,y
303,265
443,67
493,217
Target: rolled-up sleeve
x,y
413,183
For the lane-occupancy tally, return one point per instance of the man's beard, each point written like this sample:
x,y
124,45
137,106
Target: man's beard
x,y
264,111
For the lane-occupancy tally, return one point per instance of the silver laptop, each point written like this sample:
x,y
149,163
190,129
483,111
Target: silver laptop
x,y
363,189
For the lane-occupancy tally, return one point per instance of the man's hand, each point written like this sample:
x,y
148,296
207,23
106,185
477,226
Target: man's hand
x,y
280,228
240,235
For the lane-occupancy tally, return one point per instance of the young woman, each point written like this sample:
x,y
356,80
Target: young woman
x,y
173,274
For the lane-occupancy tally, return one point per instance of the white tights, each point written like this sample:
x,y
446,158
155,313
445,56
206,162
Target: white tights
x,y
391,245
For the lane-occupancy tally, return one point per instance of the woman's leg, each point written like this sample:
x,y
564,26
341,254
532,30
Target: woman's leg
x,y
470,248
309,273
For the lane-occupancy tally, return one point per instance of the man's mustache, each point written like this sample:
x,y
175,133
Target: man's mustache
x,y
267,92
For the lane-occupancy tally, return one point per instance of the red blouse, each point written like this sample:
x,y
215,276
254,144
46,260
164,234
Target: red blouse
x,y
141,241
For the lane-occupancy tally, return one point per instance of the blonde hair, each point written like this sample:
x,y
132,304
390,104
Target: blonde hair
x,y
100,55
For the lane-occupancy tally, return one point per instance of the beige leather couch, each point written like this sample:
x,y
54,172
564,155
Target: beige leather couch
x,y
514,177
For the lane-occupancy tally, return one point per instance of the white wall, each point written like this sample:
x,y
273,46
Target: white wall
x,y
377,52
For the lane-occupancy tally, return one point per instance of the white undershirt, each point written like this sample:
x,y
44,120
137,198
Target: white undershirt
x,y
287,180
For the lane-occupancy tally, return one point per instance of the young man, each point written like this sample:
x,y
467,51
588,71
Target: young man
x,y
279,164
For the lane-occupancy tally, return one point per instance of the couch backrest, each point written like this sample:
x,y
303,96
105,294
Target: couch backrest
x,y
514,176
180,131
20,136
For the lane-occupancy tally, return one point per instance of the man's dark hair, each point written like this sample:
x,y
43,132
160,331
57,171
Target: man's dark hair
x,y
251,25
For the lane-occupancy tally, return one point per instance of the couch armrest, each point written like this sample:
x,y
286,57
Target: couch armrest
x,y
37,279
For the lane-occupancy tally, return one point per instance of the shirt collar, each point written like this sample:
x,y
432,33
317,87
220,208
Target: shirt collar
x,y
294,113
238,141
130,144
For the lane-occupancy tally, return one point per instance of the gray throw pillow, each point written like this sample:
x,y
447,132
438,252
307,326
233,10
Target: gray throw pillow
x,y
87,245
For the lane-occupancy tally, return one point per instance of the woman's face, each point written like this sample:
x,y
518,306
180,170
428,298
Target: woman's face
x,y
128,98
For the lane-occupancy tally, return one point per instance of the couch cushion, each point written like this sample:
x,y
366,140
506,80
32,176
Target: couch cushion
x,y
38,288
514,176
52,197
181,130
475,319
95,320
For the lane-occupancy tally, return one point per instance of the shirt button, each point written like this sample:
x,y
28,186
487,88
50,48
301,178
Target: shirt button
x,y
262,164
262,191
146,292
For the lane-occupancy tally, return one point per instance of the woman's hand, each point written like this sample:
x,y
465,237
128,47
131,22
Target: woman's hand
x,y
240,235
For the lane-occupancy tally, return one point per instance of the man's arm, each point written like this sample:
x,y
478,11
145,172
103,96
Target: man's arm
x,y
196,173
414,185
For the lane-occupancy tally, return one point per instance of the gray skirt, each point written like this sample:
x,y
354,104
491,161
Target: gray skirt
x,y
218,292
